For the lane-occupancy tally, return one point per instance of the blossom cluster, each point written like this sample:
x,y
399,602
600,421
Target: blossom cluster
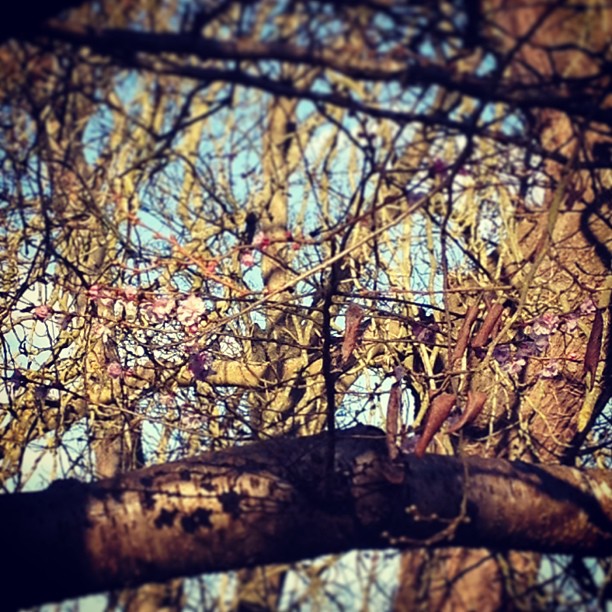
x,y
536,339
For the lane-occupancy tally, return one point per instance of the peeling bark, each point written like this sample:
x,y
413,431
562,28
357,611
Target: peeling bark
x,y
267,503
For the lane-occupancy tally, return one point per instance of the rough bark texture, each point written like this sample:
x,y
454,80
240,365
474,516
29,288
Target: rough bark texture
x,y
269,503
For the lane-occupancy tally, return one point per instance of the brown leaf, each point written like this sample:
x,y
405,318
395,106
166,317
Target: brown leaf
x,y
438,412
475,403
488,325
354,315
394,408
464,333
591,357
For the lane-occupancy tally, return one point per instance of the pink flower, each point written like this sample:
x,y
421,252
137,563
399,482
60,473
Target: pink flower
x,y
114,369
93,293
167,399
99,330
545,325
423,333
510,362
551,369
571,322
514,366
199,364
438,167
97,293
587,307
130,293
43,312
541,343
190,310
247,259
527,348
159,308
261,240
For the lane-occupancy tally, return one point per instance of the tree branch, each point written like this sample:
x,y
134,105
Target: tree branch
x,y
25,17
124,45
267,503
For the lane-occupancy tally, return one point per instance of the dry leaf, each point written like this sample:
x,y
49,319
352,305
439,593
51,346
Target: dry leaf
x,y
488,325
394,408
354,315
475,403
464,334
437,414
591,357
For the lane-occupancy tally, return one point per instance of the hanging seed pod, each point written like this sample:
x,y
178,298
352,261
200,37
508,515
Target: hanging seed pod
x,y
438,413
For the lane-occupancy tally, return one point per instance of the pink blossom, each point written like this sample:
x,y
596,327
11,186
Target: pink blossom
x,y
167,399
532,346
551,369
159,308
423,333
199,364
99,330
114,369
571,322
399,372
501,353
541,343
130,293
190,310
93,293
509,362
545,325
97,293
438,167
587,307
526,349
247,259
43,312
261,240
514,366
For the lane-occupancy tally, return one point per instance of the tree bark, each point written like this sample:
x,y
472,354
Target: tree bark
x,y
269,503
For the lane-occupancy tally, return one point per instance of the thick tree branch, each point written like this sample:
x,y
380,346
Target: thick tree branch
x,y
25,17
267,503
128,46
